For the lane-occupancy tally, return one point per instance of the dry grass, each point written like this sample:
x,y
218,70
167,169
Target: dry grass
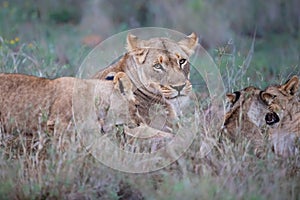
x,y
227,172
33,168
36,169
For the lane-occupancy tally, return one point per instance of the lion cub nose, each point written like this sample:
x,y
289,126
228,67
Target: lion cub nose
x,y
272,118
178,88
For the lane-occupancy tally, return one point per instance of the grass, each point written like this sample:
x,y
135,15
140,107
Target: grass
x,y
227,172
274,58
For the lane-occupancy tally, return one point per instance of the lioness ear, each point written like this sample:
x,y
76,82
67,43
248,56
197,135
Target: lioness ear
x,y
291,86
132,42
189,43
124,85
267,97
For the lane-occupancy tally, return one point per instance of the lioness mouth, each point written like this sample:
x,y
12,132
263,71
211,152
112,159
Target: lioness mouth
x,y
179,95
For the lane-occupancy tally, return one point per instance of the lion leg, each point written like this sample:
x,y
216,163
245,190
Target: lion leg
x,y
61,132
172,119
146,138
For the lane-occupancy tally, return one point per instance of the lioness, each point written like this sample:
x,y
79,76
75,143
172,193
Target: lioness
x,y
159,70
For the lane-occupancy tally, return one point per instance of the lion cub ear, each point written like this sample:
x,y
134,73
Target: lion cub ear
x,y
124,85
233,97
230,98
267,97
189,43
291,86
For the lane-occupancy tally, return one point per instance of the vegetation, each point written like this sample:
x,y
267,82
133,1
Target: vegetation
x,y
48,39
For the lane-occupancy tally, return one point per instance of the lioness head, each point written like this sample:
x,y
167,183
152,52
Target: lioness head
x,y
161,65
159,70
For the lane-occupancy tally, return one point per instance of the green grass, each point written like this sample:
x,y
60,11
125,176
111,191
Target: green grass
x,y
228,172
274,59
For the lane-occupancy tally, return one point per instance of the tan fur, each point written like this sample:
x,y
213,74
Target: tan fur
x,y
61,107
154,68
272,114
30,104
286,133
244,118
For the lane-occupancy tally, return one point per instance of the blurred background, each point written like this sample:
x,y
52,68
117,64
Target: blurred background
x,y
51,38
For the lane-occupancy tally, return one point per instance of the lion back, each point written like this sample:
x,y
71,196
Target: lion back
x,y
25,102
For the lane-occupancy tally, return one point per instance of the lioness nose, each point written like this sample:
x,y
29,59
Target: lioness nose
x,y
178,88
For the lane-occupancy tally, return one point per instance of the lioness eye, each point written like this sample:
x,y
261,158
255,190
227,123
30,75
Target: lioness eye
x,y
182,61
158,66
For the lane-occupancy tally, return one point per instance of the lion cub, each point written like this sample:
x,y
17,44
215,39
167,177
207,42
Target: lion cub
x,y
29,104
272,114
283,100
244,118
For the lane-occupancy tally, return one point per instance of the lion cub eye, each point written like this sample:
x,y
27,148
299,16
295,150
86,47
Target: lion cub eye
x,y
158,66
182,62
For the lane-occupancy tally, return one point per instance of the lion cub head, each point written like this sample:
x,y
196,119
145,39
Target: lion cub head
x,y
243,112
283,100
280,97
112,102
244,117
273,114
